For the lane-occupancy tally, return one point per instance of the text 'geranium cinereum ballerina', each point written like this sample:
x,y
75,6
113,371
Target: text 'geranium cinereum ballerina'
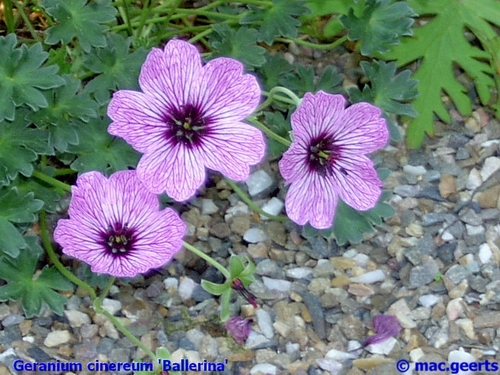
x,y
188,117
116,226
327,158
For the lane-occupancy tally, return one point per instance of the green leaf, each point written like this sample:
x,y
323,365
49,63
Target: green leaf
x,y
215,289
276,20
21,76
273,70
281,126
441,46
240,44
303,79
117,67
381,24
100,151
68,109
17,209
321,8
31,288
389,91
77,19
19,148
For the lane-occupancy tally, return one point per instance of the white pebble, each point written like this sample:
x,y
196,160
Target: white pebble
x,y
361,260
77,318
338,355
112,306
273,207
299,272
186,288
416,354
330,365
461,356
416,170
254,235
474,180
490,166
171,282
369,277
428,300
485,253
208,207
384,347
239,208
258,182
474,230
278,285
455,309
56,338
263,368
265,323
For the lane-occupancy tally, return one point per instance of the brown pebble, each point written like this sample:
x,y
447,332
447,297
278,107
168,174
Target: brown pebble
x,y
490,320
447,186
342,263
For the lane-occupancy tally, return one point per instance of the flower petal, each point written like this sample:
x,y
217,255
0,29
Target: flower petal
x,y
137,118
362,130
232,148
294,164
360,188
173,168
318,114
171,74
312,200
225,93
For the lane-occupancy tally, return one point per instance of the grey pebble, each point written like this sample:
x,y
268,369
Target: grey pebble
x,y
12,320
424,274
406,190
457,273
431,192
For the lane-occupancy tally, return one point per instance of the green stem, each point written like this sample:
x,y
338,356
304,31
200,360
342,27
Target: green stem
x,y
27,22
64,172
127,18
200,35
329,46
272,95
269,132
245,198
53,257
9,16
208,259
98,308
51,180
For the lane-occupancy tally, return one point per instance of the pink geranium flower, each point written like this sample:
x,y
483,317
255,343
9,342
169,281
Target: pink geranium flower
x,y
239,328
327,158
188,117
116,226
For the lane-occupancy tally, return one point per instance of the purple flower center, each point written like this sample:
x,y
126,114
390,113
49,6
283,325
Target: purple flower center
x,y
322,154
118,239
187,125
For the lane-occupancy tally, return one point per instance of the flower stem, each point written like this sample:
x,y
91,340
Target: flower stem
x,y
98,308
209,259
251,203
51,181
53,257
329,46
269,132
9,16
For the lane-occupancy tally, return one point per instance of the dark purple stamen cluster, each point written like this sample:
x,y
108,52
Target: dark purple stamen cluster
x,y
118,239
322,155
187,125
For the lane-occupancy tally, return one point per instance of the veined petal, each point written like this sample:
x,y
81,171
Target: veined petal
x,y
225,93
171,74
362,129
361,188
312,199
175,169
318,114
137,118
232,148
293,165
